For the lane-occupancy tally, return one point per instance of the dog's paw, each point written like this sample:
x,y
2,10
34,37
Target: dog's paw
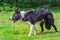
x,y
29,35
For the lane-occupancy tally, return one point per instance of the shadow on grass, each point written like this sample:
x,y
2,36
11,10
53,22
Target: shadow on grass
x,y
52,32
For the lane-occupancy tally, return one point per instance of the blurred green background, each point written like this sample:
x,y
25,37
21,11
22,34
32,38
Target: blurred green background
x,y
9,5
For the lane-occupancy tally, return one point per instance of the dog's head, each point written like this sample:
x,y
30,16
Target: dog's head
x,y
16,16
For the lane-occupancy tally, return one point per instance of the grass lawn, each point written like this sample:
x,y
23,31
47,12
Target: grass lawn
x,y
19,31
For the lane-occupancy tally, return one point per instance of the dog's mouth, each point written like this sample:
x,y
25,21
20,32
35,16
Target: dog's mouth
x,y
13,21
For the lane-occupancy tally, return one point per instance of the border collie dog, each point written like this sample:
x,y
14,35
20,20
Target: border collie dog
x,y
32,16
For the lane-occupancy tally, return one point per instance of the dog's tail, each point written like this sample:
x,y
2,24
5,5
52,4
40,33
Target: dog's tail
x,y
47,25
49,20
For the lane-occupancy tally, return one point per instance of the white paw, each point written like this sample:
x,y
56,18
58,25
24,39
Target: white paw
x,y
29,35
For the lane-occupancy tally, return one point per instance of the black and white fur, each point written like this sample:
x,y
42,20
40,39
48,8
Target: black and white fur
x,y
32,16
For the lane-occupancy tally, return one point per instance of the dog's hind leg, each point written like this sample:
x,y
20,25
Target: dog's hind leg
x,y
41,25
53,26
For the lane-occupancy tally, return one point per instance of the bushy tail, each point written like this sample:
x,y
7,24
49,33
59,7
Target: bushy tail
x,y
47,25
49,20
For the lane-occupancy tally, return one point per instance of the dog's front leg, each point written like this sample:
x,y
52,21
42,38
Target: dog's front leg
x,y
31,28
34,30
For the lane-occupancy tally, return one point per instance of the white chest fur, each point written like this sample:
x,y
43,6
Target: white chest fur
x,y
22,13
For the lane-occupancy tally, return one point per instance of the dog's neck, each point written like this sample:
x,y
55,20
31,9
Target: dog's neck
x,y
22,13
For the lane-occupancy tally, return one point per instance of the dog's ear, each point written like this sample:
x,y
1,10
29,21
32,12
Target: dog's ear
x,y
17,11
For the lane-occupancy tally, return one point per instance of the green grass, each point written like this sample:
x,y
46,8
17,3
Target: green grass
x,y
19,31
